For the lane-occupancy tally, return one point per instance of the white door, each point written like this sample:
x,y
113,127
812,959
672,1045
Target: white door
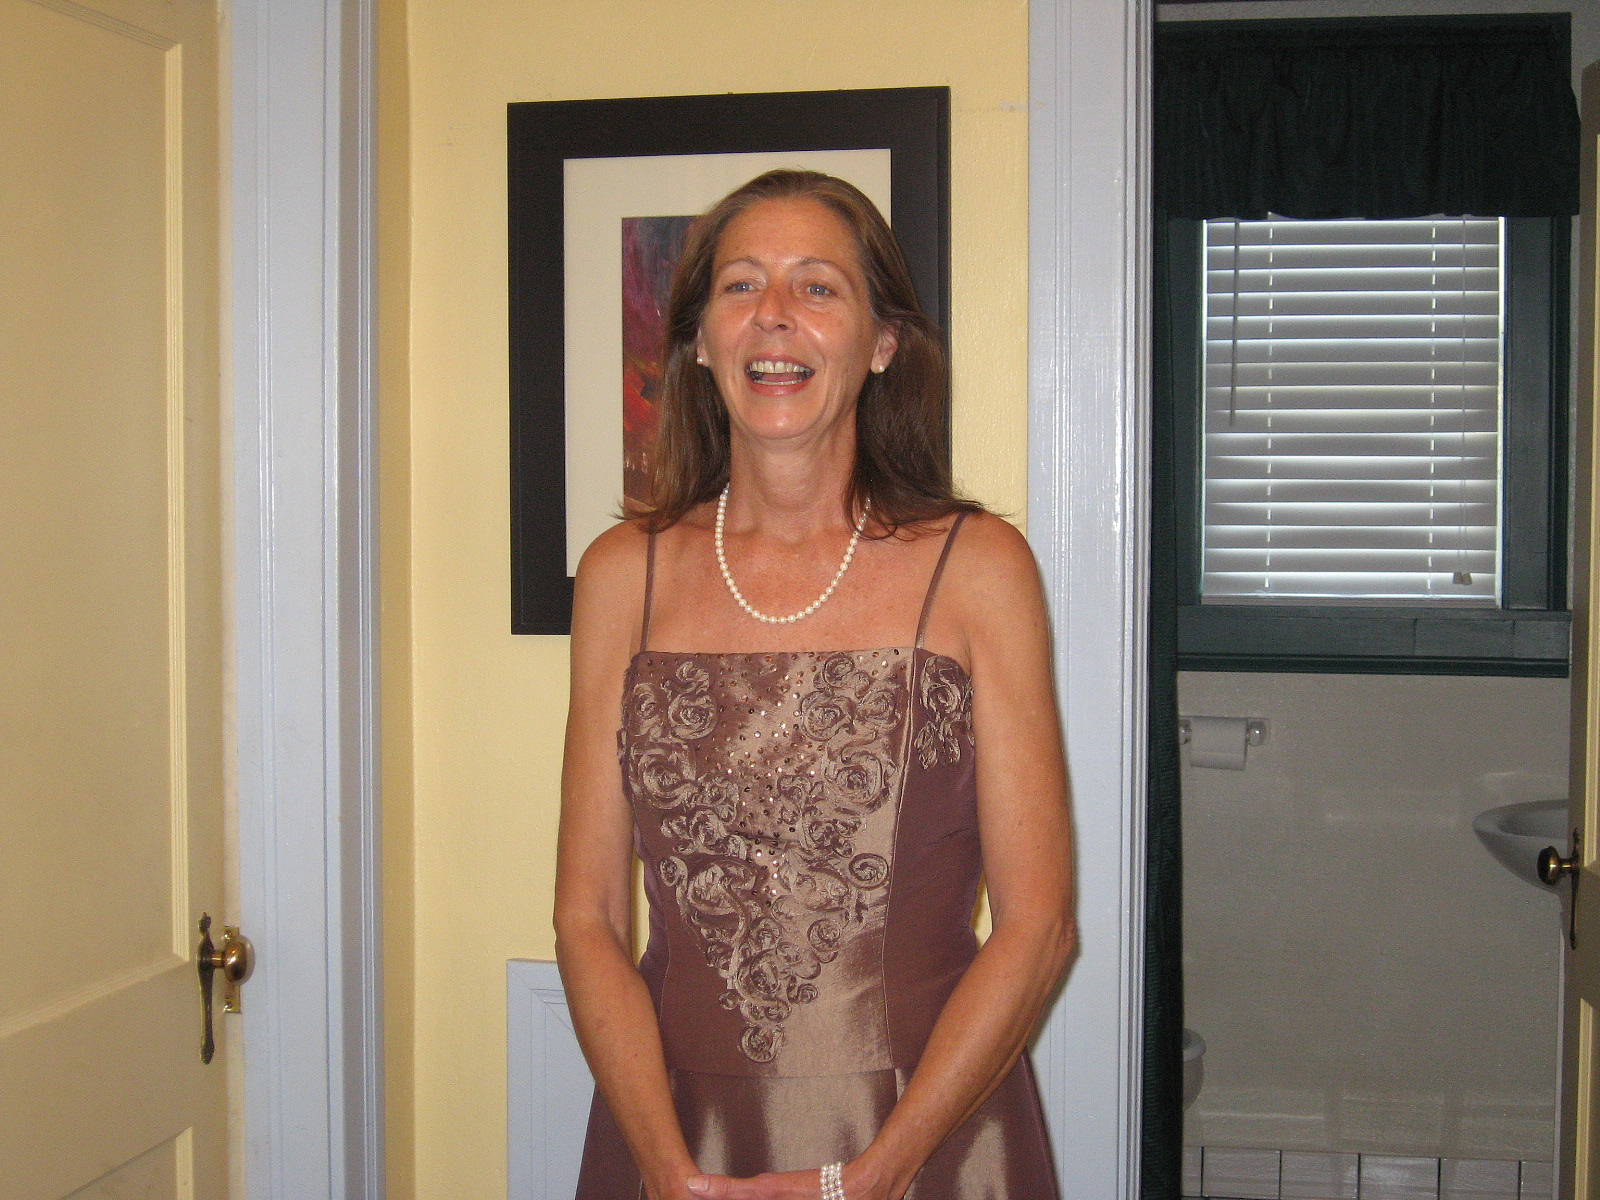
x,y
1580,1115
111,721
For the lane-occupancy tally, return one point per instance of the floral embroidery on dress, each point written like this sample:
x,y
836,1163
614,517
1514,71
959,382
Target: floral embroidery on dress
x,y
763,865
946,694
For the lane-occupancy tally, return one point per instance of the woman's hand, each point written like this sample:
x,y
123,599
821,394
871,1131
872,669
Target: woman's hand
x,y
790,1185
860,1183
670,1184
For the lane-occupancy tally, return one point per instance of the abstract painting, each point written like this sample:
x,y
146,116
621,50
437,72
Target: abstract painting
x,y
651,247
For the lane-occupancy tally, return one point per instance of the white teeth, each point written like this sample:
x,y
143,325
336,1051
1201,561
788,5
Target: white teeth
x,y
774,366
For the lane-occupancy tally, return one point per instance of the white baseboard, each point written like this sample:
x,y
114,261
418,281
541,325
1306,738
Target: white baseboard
x,y
548,1085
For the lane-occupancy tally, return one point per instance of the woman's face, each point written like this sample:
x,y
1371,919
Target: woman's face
x,y
788,332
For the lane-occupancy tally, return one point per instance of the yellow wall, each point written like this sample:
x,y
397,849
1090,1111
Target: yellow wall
x,y
488,707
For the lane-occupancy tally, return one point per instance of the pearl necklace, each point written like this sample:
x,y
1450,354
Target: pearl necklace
x,y
727,575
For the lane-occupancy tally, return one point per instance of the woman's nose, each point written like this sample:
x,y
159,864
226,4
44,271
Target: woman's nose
x,y
773,310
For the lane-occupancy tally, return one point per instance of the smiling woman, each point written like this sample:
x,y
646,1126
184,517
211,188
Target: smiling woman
x,y
813,1015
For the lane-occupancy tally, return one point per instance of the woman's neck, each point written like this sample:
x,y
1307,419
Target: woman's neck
x,y
789,497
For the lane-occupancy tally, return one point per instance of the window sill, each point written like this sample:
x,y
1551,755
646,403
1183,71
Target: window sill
x,y
1382,641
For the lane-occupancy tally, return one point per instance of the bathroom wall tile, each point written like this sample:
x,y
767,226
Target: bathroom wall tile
x,y
1239,1113
1395,1121
1319,1176
1478,1179
1538,1180
1395,1177
1191,1172
1364,776
1240,1174
1494,1124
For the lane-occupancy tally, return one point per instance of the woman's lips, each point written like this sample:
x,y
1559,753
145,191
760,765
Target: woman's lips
x,y
777,371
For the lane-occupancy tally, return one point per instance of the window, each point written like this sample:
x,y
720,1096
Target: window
x,y
1370,424
1351,424
1329,504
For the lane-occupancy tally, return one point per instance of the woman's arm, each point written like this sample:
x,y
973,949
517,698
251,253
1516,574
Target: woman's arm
x,y
611,1007
1027,854
992,598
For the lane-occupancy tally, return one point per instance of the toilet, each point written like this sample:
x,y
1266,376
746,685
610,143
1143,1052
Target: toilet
x,y
1194,1070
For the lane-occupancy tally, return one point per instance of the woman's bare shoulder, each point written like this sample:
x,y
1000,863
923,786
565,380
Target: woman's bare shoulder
x,y
989,583
989,547
989,528
615,555
609,589
991,573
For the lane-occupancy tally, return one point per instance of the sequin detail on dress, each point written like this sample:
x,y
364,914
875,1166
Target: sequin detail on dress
x,y
760,779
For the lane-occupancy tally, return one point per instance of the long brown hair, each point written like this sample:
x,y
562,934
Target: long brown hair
x,y
902,439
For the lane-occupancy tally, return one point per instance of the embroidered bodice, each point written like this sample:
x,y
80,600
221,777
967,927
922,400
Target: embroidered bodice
x,y
776,797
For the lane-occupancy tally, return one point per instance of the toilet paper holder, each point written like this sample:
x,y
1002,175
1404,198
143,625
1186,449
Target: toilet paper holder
x,y
1255,731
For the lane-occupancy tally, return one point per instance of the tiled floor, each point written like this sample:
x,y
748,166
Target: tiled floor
x,y
1227,1173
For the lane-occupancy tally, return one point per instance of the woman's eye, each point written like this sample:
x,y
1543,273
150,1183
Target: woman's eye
x,y
818,289
739,285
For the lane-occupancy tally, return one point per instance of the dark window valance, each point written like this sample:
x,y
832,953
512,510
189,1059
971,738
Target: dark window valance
x,y
1377,117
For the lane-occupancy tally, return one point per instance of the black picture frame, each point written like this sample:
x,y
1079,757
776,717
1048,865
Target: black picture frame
x,y
913,124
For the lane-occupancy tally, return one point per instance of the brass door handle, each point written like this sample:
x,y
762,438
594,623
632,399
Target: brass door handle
x,y
1552,867
236,959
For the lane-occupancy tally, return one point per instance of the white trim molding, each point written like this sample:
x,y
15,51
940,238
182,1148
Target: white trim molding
x,y
1088,472
548,1085
304,563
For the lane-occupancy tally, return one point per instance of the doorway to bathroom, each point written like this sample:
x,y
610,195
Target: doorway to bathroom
x,y
1377,998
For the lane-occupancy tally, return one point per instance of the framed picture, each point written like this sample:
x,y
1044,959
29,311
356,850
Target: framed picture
x,y
600,194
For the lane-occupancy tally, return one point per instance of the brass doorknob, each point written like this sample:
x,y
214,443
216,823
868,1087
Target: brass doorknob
x,y
236,959
1552,866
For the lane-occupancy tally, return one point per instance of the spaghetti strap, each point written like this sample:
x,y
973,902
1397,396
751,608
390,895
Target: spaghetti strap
x,y
938,570
649,591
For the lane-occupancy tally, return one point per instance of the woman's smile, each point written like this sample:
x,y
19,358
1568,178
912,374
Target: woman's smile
x,y
778,372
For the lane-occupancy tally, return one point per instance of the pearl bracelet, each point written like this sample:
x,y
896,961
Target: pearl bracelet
x,y
833,1182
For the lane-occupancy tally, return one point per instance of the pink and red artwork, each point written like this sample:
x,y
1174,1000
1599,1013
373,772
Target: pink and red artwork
x,y
651,247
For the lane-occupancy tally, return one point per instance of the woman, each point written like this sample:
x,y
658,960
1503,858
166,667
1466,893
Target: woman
x,y
812,1016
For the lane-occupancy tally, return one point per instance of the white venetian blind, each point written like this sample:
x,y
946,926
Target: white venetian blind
x,y
1352,411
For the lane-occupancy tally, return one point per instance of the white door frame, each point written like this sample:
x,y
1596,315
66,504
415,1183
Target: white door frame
x,y
304,565
1088,520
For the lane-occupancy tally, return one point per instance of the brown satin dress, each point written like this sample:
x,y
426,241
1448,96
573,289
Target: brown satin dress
x,y
808,826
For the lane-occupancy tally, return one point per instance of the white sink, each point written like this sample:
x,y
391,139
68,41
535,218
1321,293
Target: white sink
x,y
1515,833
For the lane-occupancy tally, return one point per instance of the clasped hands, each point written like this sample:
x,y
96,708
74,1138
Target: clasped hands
x,y
785,1185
